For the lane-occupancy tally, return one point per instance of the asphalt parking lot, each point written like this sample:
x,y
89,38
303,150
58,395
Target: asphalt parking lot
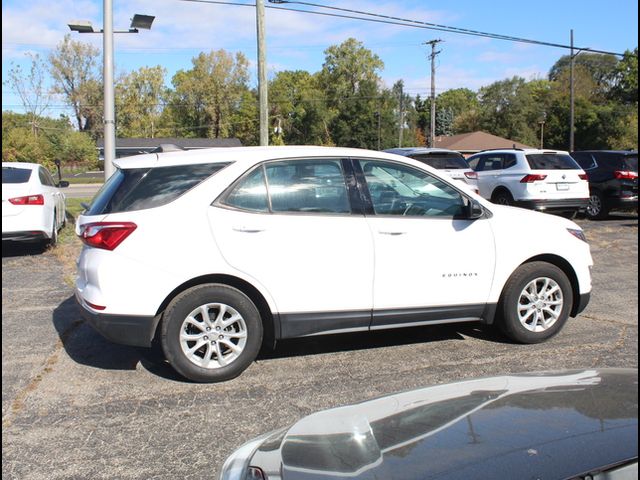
x,y
77,406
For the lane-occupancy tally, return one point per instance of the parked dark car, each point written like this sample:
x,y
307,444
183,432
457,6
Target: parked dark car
x,y
580,424
613,180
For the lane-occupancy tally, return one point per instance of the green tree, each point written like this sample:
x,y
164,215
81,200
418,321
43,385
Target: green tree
x,y
31,88
459,102
625,88
601,69
74,70
349,79
206,96
508,109
139,102
298,105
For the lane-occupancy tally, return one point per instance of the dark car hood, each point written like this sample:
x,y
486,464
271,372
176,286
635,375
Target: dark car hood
x,y
546,425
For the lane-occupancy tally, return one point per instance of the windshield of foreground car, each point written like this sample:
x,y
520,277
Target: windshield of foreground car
x,y
15,175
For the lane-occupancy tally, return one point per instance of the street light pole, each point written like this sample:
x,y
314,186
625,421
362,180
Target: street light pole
x,y
262,75
84,26
109,95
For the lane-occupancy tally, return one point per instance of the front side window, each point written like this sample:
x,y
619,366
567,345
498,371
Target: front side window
x,y
402,190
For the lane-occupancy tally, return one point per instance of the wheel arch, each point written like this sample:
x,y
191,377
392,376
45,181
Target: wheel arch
x,y
270,321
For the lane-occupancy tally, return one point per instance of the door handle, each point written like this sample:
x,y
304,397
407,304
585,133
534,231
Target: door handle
x,y
248,230
392,233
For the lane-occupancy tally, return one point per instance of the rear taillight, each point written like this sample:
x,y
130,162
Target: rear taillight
x,y
106,235
583,176
471,175
532,178
625,174
28,200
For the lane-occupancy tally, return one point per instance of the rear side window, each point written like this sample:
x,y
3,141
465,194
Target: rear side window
x,y
585,160
15,175
442,161
551,161
617,161
142,188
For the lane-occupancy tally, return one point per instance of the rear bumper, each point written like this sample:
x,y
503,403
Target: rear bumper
x,y
564,205
26,236
133,330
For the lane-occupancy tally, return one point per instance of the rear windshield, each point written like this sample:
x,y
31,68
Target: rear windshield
x,y
142,188
442,161
551,161
15,175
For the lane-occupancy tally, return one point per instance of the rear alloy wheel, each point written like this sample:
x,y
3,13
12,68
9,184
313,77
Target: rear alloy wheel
x,y
597,210
502,198
535,303
211,333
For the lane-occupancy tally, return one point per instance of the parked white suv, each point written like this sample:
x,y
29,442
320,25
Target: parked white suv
x,y
214,252
449,161
545,180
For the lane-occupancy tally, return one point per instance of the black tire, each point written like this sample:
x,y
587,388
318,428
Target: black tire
x,y
597,208
174,325
508,319
502,197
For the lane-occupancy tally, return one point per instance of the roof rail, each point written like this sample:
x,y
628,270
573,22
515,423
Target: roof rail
x,y
503,148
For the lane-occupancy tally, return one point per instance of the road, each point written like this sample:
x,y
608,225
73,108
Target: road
x,y
77,406
81,190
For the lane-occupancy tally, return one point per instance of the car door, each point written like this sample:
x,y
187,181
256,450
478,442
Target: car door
x,y
431,262
290,225
58,196
489,170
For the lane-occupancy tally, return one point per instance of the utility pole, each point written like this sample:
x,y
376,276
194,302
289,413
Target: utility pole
x,y
262,75
571,98
400,130
433,55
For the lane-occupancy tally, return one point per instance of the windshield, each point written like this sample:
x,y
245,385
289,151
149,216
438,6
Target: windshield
x,y
551,161
442,160
15,175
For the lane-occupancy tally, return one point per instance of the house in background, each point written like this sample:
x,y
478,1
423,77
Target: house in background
x,y
469,143
135,146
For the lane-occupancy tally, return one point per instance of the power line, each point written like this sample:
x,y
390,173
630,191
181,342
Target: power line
x,y
391,20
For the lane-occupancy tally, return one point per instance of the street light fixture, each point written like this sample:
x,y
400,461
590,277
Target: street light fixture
x,y
84,26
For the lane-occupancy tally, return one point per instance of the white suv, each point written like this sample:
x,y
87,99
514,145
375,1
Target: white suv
x,y
545,180
215,252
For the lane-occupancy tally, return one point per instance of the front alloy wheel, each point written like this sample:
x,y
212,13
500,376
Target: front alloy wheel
x,y
535,303
540,304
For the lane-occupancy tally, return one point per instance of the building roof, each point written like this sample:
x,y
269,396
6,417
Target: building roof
x,y
188,143
475,141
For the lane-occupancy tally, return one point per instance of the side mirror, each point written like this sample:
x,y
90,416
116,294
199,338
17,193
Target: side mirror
x,y
474,210
63,184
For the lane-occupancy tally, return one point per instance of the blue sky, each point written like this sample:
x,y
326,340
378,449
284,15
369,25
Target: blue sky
x,y
297,41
